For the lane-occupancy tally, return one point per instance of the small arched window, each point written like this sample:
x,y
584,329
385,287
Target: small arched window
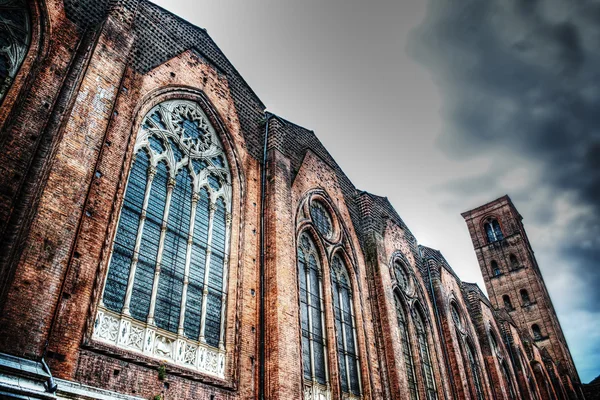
x,y
496,269
15,31
312,318
525,297
345,328
514,262
493,230
167,274
426,365
474,368
406,349
507,302
537,333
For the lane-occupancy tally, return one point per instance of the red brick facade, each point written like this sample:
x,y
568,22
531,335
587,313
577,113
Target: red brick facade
x,y
68,126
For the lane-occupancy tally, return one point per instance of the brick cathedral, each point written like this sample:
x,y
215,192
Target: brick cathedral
x,y
162,236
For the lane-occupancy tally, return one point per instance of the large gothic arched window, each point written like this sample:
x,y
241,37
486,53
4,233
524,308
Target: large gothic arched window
x,y
426,364
406,349
165,288
345,328
474,369
312,318
15,35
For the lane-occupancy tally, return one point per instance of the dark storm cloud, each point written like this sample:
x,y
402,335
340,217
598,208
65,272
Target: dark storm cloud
x,y
522,78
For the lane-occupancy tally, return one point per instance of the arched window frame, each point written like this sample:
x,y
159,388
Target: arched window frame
x,y
514,262
496,271
315,368
507,302
525,297
474,369
493,230
347,344
187,134
537,332
333,243
426,361
405,341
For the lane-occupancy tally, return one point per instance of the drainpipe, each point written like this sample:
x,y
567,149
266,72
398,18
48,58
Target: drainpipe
x,y
439,324
261,342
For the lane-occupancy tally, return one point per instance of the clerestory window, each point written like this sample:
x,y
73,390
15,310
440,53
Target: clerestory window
x,y
165,290
15,31
345,327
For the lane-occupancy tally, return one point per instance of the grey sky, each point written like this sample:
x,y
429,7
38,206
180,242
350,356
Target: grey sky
x,y
442,107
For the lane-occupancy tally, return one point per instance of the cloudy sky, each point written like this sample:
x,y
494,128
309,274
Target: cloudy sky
x,y
442,106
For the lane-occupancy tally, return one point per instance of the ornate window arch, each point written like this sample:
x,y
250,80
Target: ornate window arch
x,y
15,29
345,326
165,291
407,353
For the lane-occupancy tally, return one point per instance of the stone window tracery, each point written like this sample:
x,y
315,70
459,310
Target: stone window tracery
x,y
312,317
345,326
455,315
15,34
322,219
474,368
166,283
401,275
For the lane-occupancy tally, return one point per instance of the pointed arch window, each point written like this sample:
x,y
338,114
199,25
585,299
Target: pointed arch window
x,y
345,326
493,230
406,349
455,315
424,353
496,269
514,262
474,368
15,31
507,378
165,290
537,333
312,318
401,275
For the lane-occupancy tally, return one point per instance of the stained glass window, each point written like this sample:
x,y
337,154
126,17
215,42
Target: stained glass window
x,y
426,364
345,327
15,34
406,349
321,219
170,249
312,317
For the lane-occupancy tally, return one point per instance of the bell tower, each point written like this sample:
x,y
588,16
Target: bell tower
x,y
514,281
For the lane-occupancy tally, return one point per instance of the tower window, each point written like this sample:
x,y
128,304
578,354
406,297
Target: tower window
x,y
496,269
525,297
507,302
537,333
514,263
493,230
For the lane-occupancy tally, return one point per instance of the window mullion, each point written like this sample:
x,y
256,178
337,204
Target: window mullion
x,y
138,242
225,280
211,219
161,244
188,258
